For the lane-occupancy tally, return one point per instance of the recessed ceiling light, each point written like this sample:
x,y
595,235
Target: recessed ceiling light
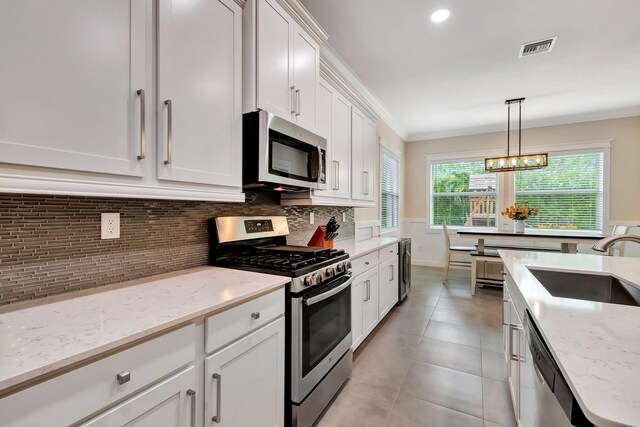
x,y
440,15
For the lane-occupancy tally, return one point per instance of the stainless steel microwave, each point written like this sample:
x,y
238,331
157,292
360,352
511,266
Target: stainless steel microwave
x,y
280,155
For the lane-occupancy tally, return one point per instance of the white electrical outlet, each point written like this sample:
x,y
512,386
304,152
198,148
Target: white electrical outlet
x,y
344,217
312,218
110,225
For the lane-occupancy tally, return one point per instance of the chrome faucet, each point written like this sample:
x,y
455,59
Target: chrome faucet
x,y
604,244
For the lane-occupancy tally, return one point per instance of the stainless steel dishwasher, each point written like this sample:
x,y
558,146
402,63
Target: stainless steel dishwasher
x,y
546,399
404,275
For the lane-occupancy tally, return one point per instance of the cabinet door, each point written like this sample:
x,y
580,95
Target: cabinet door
x,y
69,81
370,316
341,145
358,296
170,403
357,155
513,367
369,159
388,283
199,92
244,382
275,67
324,129
306,70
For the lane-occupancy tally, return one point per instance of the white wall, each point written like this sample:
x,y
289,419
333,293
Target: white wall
x,y
624,208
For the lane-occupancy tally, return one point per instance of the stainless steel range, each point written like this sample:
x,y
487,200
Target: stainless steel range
x,y
318,306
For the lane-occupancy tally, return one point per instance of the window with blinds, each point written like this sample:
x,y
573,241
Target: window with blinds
x,y
390,190
463,194
568,193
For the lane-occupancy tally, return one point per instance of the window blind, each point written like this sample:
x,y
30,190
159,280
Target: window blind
x,y
463,194
390,190
568,193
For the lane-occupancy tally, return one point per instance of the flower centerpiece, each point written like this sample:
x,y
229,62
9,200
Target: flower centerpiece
x,y
518,212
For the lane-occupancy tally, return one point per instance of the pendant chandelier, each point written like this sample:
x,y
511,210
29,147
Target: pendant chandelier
x,y
519,162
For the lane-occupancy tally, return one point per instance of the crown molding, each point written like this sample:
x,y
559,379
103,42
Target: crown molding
x,y
331,75
530,124
304,19
336,70
241,3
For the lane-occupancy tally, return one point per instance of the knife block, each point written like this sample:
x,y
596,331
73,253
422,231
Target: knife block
x,y
317,240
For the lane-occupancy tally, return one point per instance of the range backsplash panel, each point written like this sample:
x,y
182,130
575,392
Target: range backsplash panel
x,y
51,244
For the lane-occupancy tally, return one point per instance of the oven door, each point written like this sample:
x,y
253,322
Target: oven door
x,y
320,333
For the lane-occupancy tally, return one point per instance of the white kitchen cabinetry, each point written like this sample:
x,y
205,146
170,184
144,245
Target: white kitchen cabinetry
x,y
69,85
171,403
334,123
364,298
363,154
75,395
244,382
78,114
515,348
282,60
388,283
199,92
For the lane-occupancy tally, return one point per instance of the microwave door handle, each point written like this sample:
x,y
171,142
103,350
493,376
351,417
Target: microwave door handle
x,y
319,164
330,293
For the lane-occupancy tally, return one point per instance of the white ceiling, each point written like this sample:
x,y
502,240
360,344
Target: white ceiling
x,y
452,78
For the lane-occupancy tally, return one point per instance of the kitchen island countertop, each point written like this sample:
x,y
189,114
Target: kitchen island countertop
x,y
596,345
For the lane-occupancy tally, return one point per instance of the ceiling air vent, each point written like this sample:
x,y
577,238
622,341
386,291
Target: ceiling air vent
x,y
541,46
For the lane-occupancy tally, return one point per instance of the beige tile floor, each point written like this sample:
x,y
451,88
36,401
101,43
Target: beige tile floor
x,y
434,361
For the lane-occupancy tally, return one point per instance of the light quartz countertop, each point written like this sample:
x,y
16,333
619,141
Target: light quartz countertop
x,y
44,338
357,249
596,345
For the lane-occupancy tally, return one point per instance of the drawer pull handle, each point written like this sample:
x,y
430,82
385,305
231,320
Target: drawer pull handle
x,y
217,417
123,377
255,315
366,263
192,395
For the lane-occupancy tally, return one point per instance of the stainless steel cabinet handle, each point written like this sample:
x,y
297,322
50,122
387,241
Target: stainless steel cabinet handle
x,y
512,356
192,395
368,282
338,180
143,134
169,131
366,263
123,377
294,109
218,416
335,175
255,315
298,103
503,311
390,273
364,182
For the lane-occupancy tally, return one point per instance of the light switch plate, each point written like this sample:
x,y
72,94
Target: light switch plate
x,y
344,217
110,225
312,218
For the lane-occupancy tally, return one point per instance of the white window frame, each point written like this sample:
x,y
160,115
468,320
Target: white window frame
x,y
506,180
394,153
460,157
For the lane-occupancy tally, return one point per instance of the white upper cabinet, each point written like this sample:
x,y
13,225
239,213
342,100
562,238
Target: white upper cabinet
x,y
306,74
363,156
199,92
282,60
69,84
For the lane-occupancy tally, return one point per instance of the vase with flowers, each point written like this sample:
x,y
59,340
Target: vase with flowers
x,y
518,212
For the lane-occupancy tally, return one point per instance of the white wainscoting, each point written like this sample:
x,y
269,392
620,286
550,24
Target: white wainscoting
x,y
428,245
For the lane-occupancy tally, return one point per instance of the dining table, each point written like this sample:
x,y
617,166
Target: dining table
x,y
568,239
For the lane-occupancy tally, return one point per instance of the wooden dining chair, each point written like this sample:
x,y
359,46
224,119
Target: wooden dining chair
x,y
453,250
618,248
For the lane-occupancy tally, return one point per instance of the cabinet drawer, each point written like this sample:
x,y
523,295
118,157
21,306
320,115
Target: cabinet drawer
x,y
364,263
70,397
231,324
387,253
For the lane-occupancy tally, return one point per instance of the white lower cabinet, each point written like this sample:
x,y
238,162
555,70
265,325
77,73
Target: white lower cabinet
x,y
364,306
171,403
388,283
515,346
244,382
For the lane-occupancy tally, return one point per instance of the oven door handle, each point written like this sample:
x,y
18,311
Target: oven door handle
x,y
328,294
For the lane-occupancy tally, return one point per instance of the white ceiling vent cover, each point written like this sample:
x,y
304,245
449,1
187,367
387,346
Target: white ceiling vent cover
x,y
540,46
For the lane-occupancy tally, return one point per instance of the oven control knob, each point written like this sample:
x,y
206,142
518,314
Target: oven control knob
x,y
347,265
317,278
330,272
307,281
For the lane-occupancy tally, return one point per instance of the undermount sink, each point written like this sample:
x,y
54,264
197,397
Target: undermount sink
x,y
590,287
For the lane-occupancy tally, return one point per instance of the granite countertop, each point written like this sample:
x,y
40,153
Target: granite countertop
x,y
596,345
47,337
357,249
